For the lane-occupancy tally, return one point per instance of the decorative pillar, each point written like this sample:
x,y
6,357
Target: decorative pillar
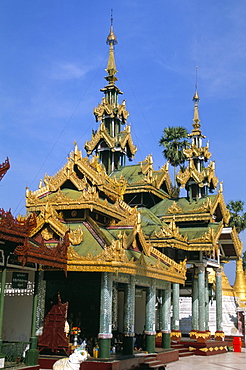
x,y
105,333
3,283
150,317
166,317
129,317
195,325
201,297
175,334
32,354
41,300
158,312
207,304
114,307
219,334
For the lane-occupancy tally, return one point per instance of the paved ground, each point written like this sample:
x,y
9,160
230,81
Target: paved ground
x,y
225,361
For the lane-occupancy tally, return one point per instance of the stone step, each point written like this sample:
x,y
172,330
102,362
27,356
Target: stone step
x,y
185,354
151,362
183,350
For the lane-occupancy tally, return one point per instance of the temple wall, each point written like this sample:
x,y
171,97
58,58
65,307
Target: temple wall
x,y
185,314
17,310
228,309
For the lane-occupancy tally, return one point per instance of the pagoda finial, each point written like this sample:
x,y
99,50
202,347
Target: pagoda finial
x,y
196,121
111,41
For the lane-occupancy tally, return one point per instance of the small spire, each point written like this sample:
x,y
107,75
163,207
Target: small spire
x,y
196,121
111,41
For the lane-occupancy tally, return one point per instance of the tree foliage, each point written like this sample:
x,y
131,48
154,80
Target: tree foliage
x,y
238,216
174,140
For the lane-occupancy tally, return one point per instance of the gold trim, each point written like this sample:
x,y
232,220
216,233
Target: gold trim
x,y
174,208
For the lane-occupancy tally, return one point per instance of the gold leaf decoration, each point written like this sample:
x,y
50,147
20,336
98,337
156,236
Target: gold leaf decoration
x,y
174,208
76,236
47,234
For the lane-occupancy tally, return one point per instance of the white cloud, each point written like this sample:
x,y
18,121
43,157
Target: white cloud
x,y
68,71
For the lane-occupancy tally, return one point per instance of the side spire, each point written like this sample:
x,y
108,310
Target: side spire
x,y
197,179
196,120
111,67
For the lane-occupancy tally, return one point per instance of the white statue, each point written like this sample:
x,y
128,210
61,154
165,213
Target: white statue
x,y
73,361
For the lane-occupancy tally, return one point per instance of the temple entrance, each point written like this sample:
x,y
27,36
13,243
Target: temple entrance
x,y
82,292
140,304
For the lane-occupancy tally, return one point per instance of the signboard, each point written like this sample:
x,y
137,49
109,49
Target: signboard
x,y
19,280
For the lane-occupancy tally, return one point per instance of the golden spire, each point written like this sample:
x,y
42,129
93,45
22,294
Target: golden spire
x,y
111,67
240,284
196,121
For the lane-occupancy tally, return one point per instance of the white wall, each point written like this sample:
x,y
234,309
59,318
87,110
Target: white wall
x,y
17,315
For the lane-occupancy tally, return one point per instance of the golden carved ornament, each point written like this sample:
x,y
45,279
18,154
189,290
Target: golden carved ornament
x,y
114,252
179,267
47,234
141,261
49,215
104,108
219,201
205,207
146,164
206,175
237,242
131,219
171,231
76,236
101,133
96,164
192,349
174,208
108,261
205,349
122,112
208,237
194,151
127,139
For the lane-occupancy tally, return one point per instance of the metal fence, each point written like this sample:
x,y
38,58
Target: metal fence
x,y
14,353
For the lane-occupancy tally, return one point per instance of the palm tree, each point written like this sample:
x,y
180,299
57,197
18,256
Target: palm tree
x,y
174,141
238,217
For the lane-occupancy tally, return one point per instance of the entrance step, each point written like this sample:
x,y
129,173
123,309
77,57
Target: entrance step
x,y
151,362
184,351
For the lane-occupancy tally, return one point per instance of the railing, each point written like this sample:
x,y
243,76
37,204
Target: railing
x,y
14,353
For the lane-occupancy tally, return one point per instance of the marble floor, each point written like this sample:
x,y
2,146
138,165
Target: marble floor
x,y
226,361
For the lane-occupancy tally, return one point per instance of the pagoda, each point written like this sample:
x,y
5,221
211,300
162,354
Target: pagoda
x,y
90,203
109,142
113,240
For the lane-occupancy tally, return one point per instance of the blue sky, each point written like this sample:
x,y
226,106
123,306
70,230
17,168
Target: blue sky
x,y
53,56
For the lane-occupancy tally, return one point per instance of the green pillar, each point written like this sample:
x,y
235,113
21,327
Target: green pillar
x,y
166,317
206,302
218,295
32,354
114,307
41,300
195,325
150,332
105,334
129,317
3,283
175,318
201,297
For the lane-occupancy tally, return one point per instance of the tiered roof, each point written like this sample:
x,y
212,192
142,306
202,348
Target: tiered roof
x,y
121,218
